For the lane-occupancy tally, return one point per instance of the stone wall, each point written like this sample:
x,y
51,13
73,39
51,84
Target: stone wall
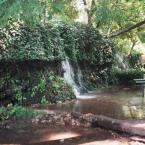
x,y
31,82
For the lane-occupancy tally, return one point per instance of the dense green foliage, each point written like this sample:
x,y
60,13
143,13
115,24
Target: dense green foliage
x,y
113,15
24,43
16,112
127,76
52,42
105,15
135,60
34,12
28,84
32,34
83,42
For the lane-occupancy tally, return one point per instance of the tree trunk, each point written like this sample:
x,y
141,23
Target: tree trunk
x,y
133,44
91,11
128,126
122,31
84,8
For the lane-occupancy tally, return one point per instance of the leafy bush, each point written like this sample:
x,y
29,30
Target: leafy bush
x,y
127,76
37,86
135,59
82,42
16,111
60,90
23,43
52,42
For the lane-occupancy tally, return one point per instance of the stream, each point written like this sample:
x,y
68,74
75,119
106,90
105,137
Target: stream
x,y
120,102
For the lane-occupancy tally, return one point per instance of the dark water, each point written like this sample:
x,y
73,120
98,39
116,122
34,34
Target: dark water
x,y
53,135
115,102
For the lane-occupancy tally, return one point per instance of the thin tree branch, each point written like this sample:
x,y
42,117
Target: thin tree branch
x,y
133,44
119,32
84,1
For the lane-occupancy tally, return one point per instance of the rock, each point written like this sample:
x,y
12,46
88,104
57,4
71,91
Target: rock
x,y
88,117
36,120
44,121
83,90
87,124
73,122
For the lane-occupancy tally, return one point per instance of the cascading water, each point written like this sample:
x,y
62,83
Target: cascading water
x,y
70,76
121,61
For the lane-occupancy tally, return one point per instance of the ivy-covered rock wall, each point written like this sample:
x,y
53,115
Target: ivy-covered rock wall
x,y
22,46
95,76
53,42
32,82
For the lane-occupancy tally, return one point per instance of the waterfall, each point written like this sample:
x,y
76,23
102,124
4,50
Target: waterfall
x,y
75,79
121,61
69,76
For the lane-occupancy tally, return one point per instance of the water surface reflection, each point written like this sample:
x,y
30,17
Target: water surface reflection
x,y
115,102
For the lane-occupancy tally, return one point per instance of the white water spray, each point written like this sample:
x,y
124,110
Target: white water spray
x,y
69,76
121,61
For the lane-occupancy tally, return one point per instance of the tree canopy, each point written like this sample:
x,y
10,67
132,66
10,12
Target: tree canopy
x,y
116,17
33,12
112,17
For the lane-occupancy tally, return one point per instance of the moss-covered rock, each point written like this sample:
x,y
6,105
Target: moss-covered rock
x,y
33,82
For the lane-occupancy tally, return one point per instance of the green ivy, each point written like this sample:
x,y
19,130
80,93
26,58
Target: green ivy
x,y
135,60
16,112
44,100
39,86
127,76
53,41
49,43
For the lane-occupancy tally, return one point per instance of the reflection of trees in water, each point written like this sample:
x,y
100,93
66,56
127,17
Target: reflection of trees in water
x,y
135,111
77,107
118,104
110,108
100,107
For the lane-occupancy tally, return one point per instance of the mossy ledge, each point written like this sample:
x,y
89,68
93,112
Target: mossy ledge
x,y
31,60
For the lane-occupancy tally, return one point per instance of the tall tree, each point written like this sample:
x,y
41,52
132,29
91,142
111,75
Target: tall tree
x,y
84,10
36,11
122,18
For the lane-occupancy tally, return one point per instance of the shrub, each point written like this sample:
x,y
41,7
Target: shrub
x,y
134,60
127,76
16,111
35,87
82,42
52,42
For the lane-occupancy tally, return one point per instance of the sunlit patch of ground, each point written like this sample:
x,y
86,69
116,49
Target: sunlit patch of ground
x,y
112,142
142,125
55,135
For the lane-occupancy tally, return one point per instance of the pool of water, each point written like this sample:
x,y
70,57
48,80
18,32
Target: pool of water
x,y
53,135
117,102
